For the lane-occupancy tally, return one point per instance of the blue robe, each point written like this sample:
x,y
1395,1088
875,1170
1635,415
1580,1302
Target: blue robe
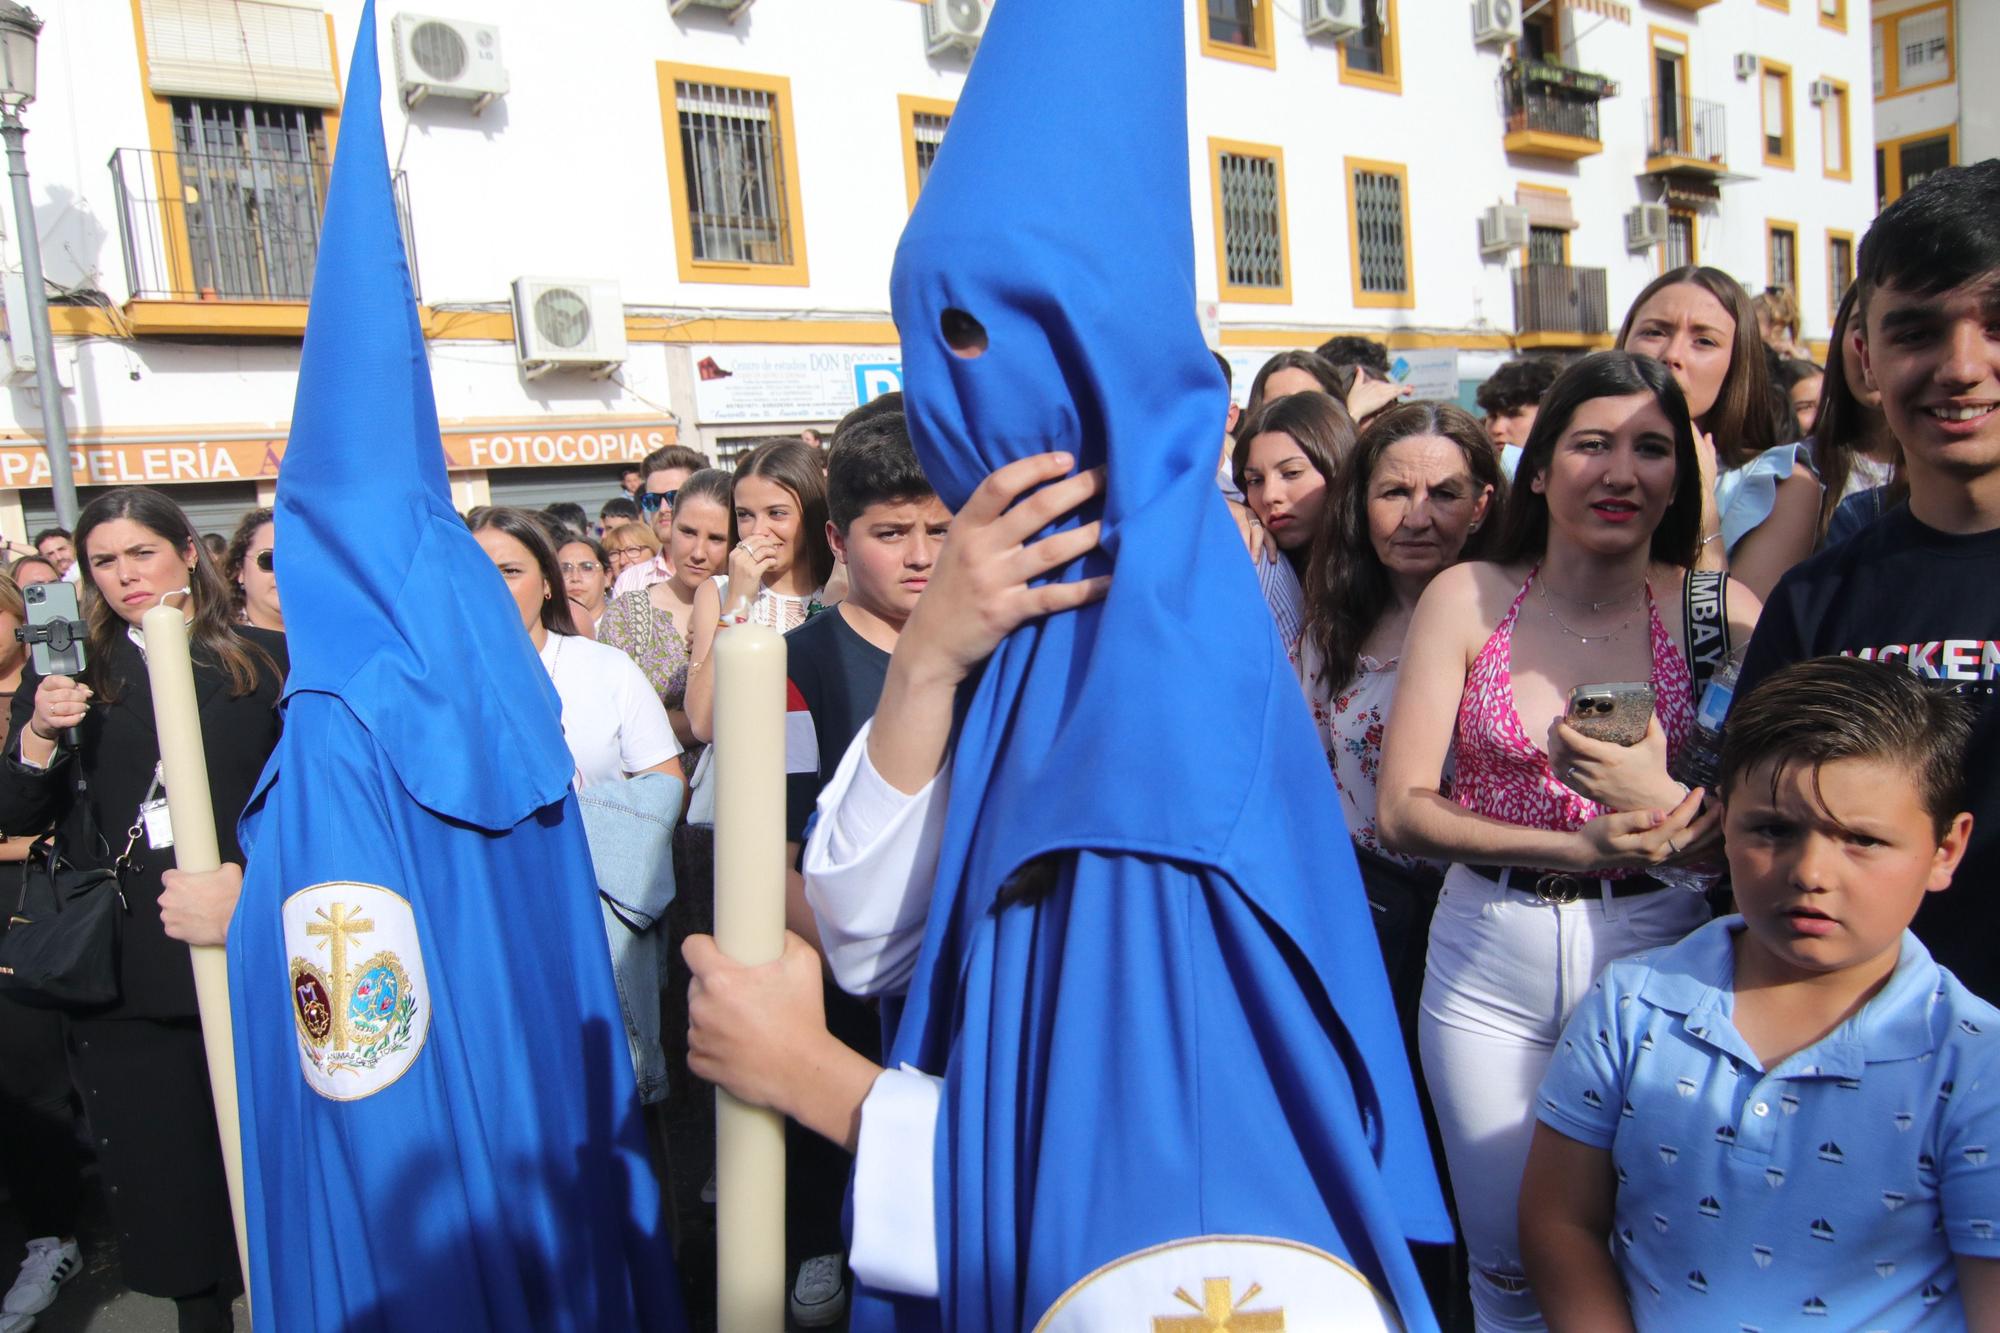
x,y
1190,1032
440,1125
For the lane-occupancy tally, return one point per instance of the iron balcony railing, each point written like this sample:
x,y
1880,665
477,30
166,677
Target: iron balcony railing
x,y
1542,95
225,226
1555,298
1687,127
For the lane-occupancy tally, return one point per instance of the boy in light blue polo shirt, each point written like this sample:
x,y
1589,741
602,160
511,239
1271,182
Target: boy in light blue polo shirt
x,y
1791,1118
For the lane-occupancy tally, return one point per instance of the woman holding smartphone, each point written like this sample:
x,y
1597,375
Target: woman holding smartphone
x,y
139,1063
1549,849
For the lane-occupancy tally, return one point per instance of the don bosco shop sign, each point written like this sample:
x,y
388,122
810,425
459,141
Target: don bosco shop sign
x,y
164,457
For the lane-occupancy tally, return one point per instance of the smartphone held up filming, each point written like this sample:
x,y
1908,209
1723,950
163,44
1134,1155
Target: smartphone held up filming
x,y
55,631
1617,712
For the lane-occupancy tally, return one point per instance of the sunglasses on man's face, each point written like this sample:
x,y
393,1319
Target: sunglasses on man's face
x,y
652,501
266,561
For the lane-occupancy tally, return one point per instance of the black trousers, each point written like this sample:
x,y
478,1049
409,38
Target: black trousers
x,y
39,1157
816,1170
145,1091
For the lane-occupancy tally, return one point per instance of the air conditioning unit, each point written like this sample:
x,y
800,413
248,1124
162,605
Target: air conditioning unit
x,y
1339,19
448,58
955,25
1821,90
1646,226
1496,21
561,323
1503,227
1746,65
730,9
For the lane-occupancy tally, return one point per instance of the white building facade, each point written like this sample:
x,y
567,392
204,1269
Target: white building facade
x,y
1936,103
699,209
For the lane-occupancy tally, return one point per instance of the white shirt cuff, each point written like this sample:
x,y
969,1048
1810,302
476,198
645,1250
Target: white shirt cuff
x,y
868,868
895,1199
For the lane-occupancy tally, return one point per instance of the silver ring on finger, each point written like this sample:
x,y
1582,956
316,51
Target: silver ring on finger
x,y
1671,846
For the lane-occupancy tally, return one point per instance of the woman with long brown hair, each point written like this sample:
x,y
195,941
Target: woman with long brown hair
x,y
249,564
1413,498
139,1062
779,560
1854,450
1761,507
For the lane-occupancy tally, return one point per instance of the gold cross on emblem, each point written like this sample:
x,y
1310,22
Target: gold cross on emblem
x,y
1218,1312
338,925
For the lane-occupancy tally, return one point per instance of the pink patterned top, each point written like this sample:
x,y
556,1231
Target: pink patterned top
x,y
1501,773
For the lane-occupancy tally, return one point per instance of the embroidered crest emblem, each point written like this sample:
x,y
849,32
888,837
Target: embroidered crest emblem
x,y
1203,1284
359,997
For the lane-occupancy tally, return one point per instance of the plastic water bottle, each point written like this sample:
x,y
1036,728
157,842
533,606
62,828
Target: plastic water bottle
x,y
1700,759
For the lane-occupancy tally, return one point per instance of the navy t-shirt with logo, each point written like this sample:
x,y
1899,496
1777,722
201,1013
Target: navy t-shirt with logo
x,y
837,675
1899,591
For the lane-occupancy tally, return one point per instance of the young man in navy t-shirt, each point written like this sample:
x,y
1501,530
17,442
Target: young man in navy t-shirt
x,y
1921,585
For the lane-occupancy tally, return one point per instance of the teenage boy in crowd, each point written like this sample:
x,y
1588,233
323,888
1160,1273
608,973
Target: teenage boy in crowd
x,y
1509,400
1788,1119
1916,587
661,475
886,526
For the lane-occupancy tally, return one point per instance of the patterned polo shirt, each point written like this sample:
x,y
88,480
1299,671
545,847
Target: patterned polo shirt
x,y
1835,1187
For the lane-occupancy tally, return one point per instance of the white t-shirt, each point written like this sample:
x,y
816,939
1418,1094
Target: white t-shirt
x,y
613,721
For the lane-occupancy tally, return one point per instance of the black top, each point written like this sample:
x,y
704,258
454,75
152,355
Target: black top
x,y
839,674
119,752
1899,591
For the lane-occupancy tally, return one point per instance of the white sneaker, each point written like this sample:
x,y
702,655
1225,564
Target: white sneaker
x,y
16,1323
819,1293
50,1263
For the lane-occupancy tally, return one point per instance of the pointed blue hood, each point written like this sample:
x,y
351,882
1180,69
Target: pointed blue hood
x,y
385,590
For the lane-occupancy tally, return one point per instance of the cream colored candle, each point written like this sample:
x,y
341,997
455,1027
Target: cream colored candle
x,y
749,666
184,773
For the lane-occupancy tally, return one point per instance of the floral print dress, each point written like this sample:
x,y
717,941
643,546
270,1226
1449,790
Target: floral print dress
x,y
649,636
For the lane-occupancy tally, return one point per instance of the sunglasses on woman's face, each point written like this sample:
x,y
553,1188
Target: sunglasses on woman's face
x,y
651,501
580,567
266,561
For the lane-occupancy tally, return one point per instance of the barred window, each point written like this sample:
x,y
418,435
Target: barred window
x,y
1253,249
1680,239
253,181
734,162
1839,268
1784,268
927,133
1381,258
1547,245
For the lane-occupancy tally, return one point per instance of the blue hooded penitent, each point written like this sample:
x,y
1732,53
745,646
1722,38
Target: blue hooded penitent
x,y
1191,1033
440,1127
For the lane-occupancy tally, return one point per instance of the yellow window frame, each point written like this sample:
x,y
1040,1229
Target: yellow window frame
x,y
1694,236
1837,21
1892,66
1407,298
1390,80
1264,54
160,137
1843,121
1892,158
1772,228
779,88
1785,158
1224,288
908,108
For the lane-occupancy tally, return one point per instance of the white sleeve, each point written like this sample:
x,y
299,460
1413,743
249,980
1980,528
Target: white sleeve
x,y
645,737
895,1194
868,867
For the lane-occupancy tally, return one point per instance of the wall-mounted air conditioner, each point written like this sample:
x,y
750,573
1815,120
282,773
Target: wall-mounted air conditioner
x,y
1821,90
955,25
1746,65
1338,19
730,9
563,323
1646,226
1503,227
1496,21
448,58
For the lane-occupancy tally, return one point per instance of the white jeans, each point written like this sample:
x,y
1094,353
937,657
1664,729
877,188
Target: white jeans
x,y
1501,977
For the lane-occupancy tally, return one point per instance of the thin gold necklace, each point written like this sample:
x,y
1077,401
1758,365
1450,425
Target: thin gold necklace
x,y
1549,608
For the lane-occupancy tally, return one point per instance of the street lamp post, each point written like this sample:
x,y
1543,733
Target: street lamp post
x,y
18,29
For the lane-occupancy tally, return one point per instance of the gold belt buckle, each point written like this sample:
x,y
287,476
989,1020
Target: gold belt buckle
x,y
1556,890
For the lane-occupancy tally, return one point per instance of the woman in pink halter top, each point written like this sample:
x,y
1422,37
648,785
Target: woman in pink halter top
x,y
1551,835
